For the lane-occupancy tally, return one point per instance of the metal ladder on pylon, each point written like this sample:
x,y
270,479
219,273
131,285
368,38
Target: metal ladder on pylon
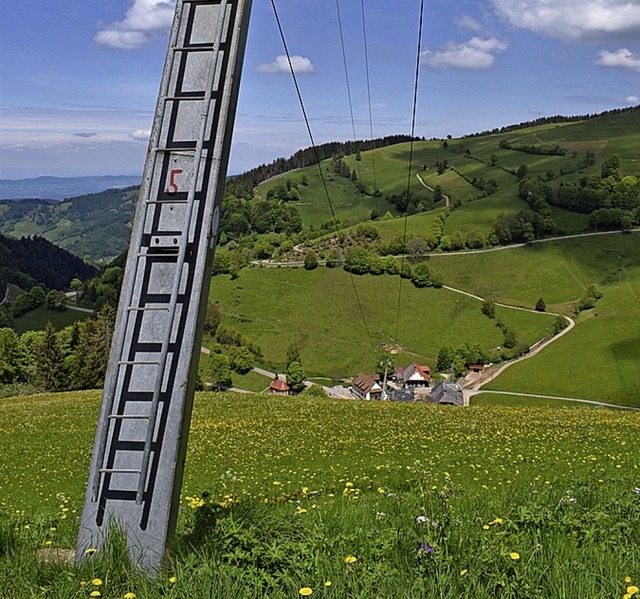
x,y
138,458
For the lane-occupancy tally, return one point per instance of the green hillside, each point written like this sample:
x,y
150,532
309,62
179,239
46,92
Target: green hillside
x,y
319,312
344,498
598,359
95,226
470,162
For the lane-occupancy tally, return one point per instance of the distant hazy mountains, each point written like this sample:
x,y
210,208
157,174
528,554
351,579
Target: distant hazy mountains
x,y
59,188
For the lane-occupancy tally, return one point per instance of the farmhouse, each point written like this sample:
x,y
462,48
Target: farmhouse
x,y
446,392
366,386
476,368
415,376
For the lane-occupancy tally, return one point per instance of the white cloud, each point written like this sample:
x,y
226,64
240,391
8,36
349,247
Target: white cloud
x,y
477,53
622,59
466,21
140,134
632,100
574,20
281,65
142,19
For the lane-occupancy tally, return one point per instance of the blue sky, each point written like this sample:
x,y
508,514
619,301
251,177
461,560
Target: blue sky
x,y
78,80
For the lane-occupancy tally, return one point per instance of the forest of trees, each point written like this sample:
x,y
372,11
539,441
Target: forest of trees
x,y
73,358
32,260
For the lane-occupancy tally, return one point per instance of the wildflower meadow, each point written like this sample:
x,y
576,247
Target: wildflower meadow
x,y
290,497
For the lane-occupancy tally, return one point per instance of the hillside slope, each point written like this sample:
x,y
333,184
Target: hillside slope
x,y
31,260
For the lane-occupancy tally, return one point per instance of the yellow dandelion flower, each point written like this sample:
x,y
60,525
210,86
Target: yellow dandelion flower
x,y
514,556
463,572
83,583
327,583
626,596
350,559
90,551
306,591
95,594
96,582
486,527
173,580
129,596
627,579
632,590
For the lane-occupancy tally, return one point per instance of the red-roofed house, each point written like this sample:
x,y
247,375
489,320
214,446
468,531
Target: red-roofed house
x,y
415,375
279,387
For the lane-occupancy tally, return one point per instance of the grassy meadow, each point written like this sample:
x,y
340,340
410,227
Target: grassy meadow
x,y
320,312
37,319
598,359
335,499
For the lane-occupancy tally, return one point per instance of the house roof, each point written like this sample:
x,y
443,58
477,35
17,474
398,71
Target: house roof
x,y
279,385
448,392
415,371
367,382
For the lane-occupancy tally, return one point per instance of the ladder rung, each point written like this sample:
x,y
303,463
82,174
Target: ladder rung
x,y
138,362
199,98
201,48
128,417
167,254
166,201
148,309
189,152
118,471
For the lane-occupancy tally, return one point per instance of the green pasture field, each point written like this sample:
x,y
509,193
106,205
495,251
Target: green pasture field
x,y
388,167
417,224
570,222
558,271
319,311
37,319
453,184
513,401
314,207
388,170
598,359
481,214
251,381
283,497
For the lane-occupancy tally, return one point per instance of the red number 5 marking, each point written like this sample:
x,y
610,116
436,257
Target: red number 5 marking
x,y
173,186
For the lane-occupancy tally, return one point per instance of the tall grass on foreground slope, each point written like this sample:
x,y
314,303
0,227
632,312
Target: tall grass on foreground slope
x,y
286,497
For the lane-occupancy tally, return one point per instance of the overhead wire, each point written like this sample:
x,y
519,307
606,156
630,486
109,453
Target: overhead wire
x,y
318,161
410,165
348,84
366,65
